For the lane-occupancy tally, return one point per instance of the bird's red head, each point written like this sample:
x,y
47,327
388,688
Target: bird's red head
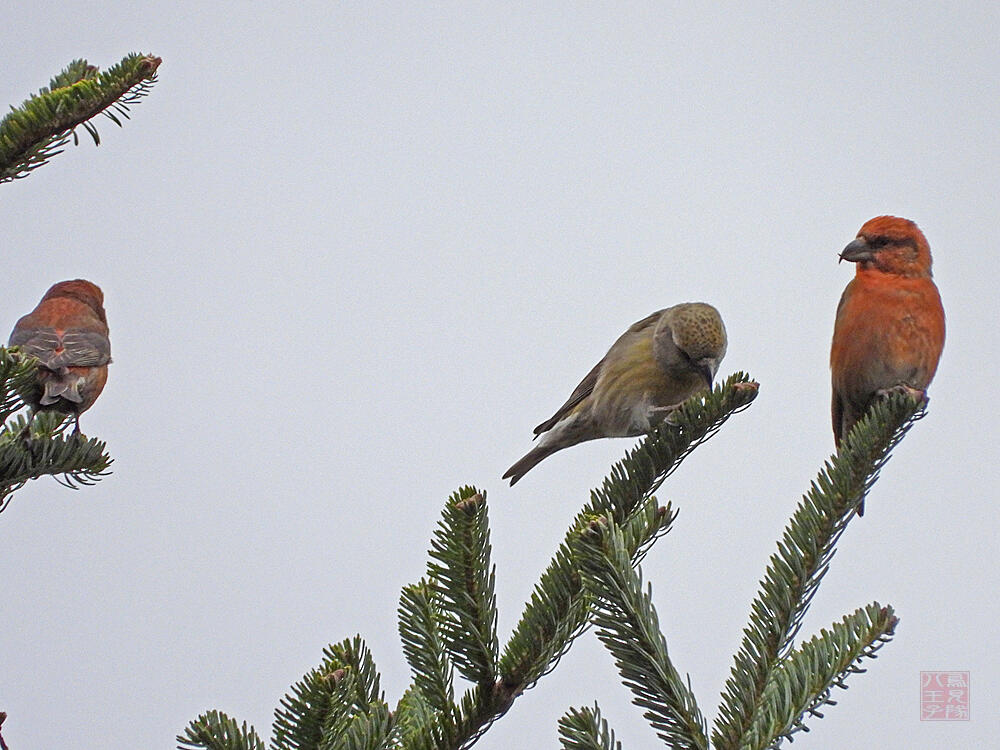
x,y
891,245
81,289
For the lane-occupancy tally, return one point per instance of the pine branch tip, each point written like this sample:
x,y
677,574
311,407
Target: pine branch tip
x,y
36,131
149,64
335,677
470,505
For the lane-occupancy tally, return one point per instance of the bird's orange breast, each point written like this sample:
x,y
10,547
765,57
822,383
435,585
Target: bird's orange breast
x,y
889,329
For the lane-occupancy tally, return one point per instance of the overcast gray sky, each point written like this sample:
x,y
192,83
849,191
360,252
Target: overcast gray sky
x,y
352,253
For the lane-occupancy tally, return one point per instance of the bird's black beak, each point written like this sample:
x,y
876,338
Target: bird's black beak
x,y
706,372
857,251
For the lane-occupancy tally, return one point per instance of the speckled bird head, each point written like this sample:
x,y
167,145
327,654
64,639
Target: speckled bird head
x,y
699,332
891,245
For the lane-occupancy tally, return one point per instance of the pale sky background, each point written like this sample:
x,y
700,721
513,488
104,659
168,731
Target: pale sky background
x,y
352,254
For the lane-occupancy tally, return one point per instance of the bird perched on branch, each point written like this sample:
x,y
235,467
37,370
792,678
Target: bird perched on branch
x,y
658,363
68,333
889,331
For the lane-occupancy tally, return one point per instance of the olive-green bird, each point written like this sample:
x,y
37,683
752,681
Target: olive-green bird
x,y
655,365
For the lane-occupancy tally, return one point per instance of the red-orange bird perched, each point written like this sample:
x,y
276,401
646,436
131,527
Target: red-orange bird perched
x,y
889,331
68,333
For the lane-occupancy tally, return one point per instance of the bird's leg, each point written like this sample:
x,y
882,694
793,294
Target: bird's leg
x,y
916,394
657,414
76,427
24,434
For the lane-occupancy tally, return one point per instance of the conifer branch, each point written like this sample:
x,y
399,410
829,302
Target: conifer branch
x,y
414,718
329,699
805,678
802,559
30,451
419,630
558,610
559,607
629,627
645,525
17,374
371,731
354,655
214,730
451,615
586,729
39,129
463,580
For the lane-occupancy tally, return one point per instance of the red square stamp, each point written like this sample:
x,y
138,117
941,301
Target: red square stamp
x,y
944,696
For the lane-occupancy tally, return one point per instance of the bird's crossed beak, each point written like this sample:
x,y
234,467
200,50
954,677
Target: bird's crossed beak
x,y
707,370
857,251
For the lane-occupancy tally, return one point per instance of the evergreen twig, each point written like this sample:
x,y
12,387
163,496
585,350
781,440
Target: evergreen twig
x,y
558,610
463,579
214,730
40,449
39,129
802,559
586,729
629,627
803,682
448,619
329,699
425,651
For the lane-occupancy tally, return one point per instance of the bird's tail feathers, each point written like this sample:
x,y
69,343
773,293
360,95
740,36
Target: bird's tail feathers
x,y
61,384
569,431
529,461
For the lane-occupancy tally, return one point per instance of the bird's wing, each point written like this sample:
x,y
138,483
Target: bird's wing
x,y
586,386
583,390
843,298
837,406
76,348
85,348
38,342
837,412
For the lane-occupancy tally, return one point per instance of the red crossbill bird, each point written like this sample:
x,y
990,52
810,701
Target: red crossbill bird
x,y
68,333
889,331
658,363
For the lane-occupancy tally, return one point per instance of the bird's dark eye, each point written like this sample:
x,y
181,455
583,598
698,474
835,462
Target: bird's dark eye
x,y
877,242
